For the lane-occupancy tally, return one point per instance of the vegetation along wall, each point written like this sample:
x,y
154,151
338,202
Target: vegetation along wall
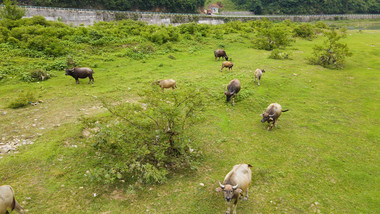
x,y
88,17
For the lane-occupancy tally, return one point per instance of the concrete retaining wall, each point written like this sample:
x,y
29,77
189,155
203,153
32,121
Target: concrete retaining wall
x,y
88,17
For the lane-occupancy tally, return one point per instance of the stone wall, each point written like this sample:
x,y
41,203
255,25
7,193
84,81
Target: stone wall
x,y
88,17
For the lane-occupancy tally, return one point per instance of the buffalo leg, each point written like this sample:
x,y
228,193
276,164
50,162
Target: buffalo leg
x,y
258,83
228,208
275,123
235,205
246,195
269,126
233,100
221,68
77,81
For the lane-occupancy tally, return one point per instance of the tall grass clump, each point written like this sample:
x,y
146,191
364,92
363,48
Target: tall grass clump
x,y
22,100
147,140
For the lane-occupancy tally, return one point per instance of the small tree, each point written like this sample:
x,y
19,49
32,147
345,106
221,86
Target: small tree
x,y
272,36
149,138
10,10
332,53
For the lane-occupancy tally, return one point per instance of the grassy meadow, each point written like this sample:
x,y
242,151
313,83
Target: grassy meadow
x,y
323,157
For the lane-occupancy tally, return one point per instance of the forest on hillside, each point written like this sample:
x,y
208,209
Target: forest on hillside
x,y
188,6
309,6
193,6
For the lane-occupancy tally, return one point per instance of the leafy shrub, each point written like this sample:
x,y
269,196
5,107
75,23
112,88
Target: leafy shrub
x,y
272,36
332,53
35,75
305,31
277,54
148,139
11,10
22,100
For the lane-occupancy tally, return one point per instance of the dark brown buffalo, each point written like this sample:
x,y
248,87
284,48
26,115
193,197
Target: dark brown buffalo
x,y
220,53
232,89
82,73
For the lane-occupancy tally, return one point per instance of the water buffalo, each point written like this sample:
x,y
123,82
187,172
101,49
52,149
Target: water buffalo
x,y
220,53
82,73
232,89
169,83
258,75
272,114
227,64
8,201
235,183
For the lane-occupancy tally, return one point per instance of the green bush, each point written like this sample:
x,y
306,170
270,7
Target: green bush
x,y
35,75
332,53
277,54
22,100
271,36
148,139
305,31
11,10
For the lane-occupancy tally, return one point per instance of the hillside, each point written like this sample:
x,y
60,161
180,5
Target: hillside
x,y
309,7
73,155
193,6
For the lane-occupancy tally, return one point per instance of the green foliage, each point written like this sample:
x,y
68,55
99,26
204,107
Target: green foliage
x,y
11,11
278,54
309,7
189,6
305,30
270,36
35,75
22,100
332,53
149,138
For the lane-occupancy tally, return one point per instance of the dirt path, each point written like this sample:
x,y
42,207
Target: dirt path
x,y
23,126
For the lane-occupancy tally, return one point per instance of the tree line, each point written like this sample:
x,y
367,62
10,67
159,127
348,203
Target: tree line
x,y
309,6
177,6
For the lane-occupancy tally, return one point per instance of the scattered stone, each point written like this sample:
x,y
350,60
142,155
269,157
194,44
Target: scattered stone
x,y
294,74
202,184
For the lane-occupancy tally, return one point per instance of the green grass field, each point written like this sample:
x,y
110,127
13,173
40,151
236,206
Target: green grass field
x,y
323,157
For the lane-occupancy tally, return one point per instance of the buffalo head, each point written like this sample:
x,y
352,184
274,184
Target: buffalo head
x,y
69,71
267,117
228,191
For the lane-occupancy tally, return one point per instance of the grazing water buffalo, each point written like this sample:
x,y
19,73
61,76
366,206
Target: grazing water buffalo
x,y
227,64
232,89
169,83
8,201
259,74
220,53
235,183
272,114
82,73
